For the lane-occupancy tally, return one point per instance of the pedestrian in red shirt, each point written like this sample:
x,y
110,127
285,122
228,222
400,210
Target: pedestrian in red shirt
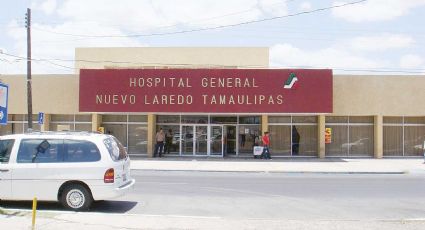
x,y
266,144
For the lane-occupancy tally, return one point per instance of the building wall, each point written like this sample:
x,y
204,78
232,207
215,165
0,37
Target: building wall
x,y
52,94
378,95
172,57
352,95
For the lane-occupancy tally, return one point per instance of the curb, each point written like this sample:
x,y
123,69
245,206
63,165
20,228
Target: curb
x,y
274,171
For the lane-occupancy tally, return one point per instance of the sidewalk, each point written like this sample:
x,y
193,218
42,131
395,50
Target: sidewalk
x,y
283,165
102,221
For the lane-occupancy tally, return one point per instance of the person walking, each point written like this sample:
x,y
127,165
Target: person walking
x,y
266,145
159,143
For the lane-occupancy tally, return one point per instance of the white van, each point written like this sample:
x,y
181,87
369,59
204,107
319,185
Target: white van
x,y
74,168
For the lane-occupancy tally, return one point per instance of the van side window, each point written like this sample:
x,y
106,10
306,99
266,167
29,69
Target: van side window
x,y
40,151
80,151
5,149
115,148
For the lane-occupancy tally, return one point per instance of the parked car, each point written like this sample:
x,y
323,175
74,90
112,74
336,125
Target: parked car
x,y
74,168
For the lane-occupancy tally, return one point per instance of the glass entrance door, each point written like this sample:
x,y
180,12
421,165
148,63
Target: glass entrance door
x,y
194,140
187,140
230,141
202,140
216,140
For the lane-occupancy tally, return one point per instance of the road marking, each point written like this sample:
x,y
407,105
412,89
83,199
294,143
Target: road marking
x,y
162,183
240,191
414,219
25,211
180,216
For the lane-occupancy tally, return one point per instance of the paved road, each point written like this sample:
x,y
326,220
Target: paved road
x,y
268,196
280,196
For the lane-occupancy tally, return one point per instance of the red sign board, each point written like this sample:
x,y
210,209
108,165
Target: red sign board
x,y
206,90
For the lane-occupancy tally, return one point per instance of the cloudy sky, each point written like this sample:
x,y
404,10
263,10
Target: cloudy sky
x,y
373,36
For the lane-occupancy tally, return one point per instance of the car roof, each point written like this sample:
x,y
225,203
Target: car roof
x,y
56,134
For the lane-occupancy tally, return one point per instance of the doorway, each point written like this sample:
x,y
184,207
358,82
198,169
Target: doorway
x,y
201,140
230,140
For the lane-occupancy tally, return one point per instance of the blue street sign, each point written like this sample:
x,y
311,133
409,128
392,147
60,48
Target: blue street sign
x,y
4,90
40,118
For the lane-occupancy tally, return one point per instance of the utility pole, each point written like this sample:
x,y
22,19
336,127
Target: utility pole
x,y
29,93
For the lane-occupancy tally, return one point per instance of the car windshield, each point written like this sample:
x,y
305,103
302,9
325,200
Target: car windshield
x,y
115,148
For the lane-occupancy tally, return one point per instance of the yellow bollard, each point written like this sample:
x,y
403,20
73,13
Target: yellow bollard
x,y
34,209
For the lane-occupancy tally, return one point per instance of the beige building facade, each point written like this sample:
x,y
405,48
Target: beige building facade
x,y
373,115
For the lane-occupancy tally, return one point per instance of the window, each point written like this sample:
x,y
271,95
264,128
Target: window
x,y
247,136
250,120
189,119
293,135
280,139
130,130
350,136
137,118
81,122
168,119
172,138
279,119
115,149
224,120
18,124
404,136
117,130
80,151
137,138
114,118
40,151
8,128
5,149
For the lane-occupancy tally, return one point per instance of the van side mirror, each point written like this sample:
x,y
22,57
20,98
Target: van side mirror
x,y
41,148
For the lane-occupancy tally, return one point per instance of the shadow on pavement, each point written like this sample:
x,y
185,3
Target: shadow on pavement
x,y
98,206
113,206
247,158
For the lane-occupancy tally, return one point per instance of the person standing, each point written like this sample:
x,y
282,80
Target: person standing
x,y
168,141
159,143
295,141
266,145
256,139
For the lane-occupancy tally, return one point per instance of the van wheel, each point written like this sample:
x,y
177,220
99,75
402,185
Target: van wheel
x,y
76,197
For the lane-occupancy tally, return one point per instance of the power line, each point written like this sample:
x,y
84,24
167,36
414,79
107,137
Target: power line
x,y
20,58
372,70
177,24
207,28
159,64
119,62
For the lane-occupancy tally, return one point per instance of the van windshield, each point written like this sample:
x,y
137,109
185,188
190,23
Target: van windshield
x,y
5,149
115,148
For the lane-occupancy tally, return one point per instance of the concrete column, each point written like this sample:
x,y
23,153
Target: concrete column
x,y
46,123
378,136
321,124
96,120
264,124
151,134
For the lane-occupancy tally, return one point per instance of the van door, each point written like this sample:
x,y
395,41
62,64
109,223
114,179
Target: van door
x,y
37,168
5,170
5,182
